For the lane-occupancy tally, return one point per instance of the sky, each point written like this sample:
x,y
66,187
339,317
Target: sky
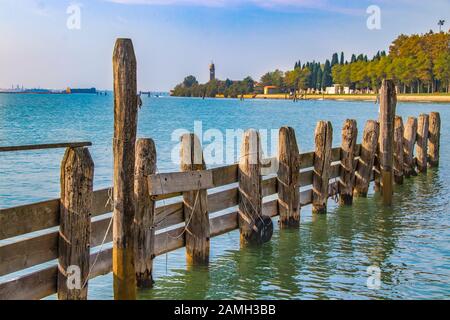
x,y
176,38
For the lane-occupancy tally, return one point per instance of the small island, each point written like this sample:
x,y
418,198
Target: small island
x,y
419,65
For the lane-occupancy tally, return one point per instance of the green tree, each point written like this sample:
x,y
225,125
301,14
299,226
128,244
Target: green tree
x,y
190,81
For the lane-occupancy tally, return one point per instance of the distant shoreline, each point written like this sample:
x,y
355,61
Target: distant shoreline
x,y
442,98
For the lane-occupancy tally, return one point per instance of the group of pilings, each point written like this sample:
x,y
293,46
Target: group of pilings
x,y
386,146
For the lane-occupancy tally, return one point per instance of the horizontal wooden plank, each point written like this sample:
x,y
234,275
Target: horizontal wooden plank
x,y
32,251
307,159
29,218
225,175
45,146
166,183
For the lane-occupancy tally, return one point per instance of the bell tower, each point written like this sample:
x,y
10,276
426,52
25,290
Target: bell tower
x,y
212,72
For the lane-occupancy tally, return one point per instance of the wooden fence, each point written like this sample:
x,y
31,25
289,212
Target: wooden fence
x,y
387,151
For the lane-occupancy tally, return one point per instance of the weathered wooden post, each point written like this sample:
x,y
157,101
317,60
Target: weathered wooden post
x,y
288,178
144,231
348,149
434,137
250,188
409,140
422,142
195,204
322,166
125,127
398,150
367,157
388,102
77,176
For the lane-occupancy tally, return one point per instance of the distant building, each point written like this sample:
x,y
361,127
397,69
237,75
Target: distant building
x,y
337,89
212,72
271,90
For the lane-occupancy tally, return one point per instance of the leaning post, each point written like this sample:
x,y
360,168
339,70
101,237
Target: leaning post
x,y
365,167
77,176
348,149
398,150
125,127
288,178
195,204
434,138
144,219
388,102
323,138
422,142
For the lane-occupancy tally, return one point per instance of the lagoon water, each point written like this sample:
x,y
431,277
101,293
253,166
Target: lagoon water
x,y
327,258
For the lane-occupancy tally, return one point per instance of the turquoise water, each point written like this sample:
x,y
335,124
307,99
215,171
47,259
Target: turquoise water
x,y
326,259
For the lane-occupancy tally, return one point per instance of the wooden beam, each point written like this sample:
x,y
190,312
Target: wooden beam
x,y
61,145
365,164
195,203
409,140
250,188
422,142
77,180
288,179
125,127
178,182
398,150
144,228
348,150
323,138
434,138
388,103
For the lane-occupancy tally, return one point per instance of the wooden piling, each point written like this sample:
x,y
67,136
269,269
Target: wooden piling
x,y
77,175
388,102
288,179
366,162
144,229
250,188
195,204
398,150
348,149
322,165
422,142
434,136
125,127
409,141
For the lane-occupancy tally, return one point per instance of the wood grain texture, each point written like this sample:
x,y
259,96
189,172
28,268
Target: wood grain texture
x,y
422,142
388,104
46,146
409,141
144,228
250,187
323,138
288,179
366,161
398,150
77,180
195,204
125,126
348,164
434,139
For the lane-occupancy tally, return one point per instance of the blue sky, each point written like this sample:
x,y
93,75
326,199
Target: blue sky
x,y
174,38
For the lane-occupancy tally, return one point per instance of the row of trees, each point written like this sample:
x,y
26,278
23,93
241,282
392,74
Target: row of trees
x,y
191,88
418,63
